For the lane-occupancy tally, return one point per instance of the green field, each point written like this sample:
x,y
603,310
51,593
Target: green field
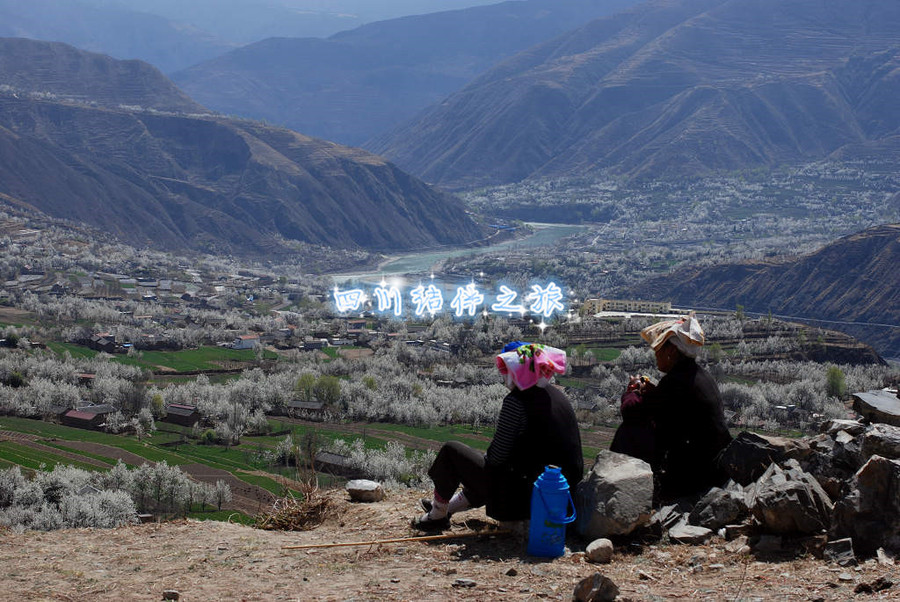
x,y
186,360
246,461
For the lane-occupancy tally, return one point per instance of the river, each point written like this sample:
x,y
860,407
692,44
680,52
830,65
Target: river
x,y
423,263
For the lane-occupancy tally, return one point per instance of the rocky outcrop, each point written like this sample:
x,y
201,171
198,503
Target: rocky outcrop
x,y
814,492
870,512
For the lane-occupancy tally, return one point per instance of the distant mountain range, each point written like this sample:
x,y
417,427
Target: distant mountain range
x,y
673,88
114,30
75,145
361,83
175,34
850,283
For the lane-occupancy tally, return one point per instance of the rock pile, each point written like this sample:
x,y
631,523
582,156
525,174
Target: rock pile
x,y
835,495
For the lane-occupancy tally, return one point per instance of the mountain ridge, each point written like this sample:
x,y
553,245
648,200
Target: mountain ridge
x,y
197,181
359,83
851,282
669,89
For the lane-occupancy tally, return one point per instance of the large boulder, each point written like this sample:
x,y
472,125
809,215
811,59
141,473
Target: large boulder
x,y
789,501
878,406
364,490
881,440
615,498
749,454
870,512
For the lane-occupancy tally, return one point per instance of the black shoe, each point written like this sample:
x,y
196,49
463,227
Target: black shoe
x,y
423,523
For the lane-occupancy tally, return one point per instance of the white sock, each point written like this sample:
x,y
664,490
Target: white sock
x,y
458,503
438,510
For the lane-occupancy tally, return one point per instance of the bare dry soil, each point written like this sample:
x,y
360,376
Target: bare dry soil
x,y
223,561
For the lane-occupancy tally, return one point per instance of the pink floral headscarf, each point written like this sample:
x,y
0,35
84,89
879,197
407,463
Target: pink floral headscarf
x,y
531,364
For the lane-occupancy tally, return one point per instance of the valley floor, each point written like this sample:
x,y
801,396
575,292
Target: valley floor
x,y
221,561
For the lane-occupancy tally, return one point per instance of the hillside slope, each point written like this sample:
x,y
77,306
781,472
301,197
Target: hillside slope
x,y
672,88
223,561
60,70
853,280
177,181
361,83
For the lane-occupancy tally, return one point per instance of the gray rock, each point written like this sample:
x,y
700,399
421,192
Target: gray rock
x,y
461,582
599,550
823,443
843,438
878,406
833,426
870,512
749,454
789,501
881,440
666,517
745,529
689,534
719,507
840,551
171,594
615,498
363,490
596,588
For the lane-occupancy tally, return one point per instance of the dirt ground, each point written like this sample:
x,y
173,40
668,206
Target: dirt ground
x,y
222,561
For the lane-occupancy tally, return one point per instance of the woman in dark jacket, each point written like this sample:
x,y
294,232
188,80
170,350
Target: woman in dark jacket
x,y
678,426
536,427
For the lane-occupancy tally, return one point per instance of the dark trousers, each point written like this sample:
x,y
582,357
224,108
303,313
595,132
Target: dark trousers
x,y
458,464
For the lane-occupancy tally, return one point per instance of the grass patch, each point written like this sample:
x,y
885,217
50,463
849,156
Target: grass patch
x,y
270,485
191,360
479,438
29,457
225,516
76,351
145,449
186,360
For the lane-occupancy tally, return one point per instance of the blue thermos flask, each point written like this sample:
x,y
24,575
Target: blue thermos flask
x,y
550,501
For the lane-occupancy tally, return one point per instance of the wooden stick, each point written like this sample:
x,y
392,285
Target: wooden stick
x,y
376,542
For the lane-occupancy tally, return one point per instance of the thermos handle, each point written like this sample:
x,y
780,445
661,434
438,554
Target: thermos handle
x,y
559,520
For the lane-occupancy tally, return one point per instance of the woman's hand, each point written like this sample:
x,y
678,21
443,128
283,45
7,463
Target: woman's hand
x,y
639,384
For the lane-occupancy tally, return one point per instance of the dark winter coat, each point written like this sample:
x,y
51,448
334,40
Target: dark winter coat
x,y
536,428
679,427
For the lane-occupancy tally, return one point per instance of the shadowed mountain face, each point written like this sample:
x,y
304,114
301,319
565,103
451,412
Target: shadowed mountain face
x,y
361,83
672,88
178,181
854,279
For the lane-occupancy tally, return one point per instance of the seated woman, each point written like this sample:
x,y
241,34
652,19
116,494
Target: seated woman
x,y
678,426
536,427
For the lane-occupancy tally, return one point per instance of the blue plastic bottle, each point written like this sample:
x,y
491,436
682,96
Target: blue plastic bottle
x,y
550,500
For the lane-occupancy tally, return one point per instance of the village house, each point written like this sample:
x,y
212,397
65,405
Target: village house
x,y
311,410
103,341
87,417
181,414
245,341
315,344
